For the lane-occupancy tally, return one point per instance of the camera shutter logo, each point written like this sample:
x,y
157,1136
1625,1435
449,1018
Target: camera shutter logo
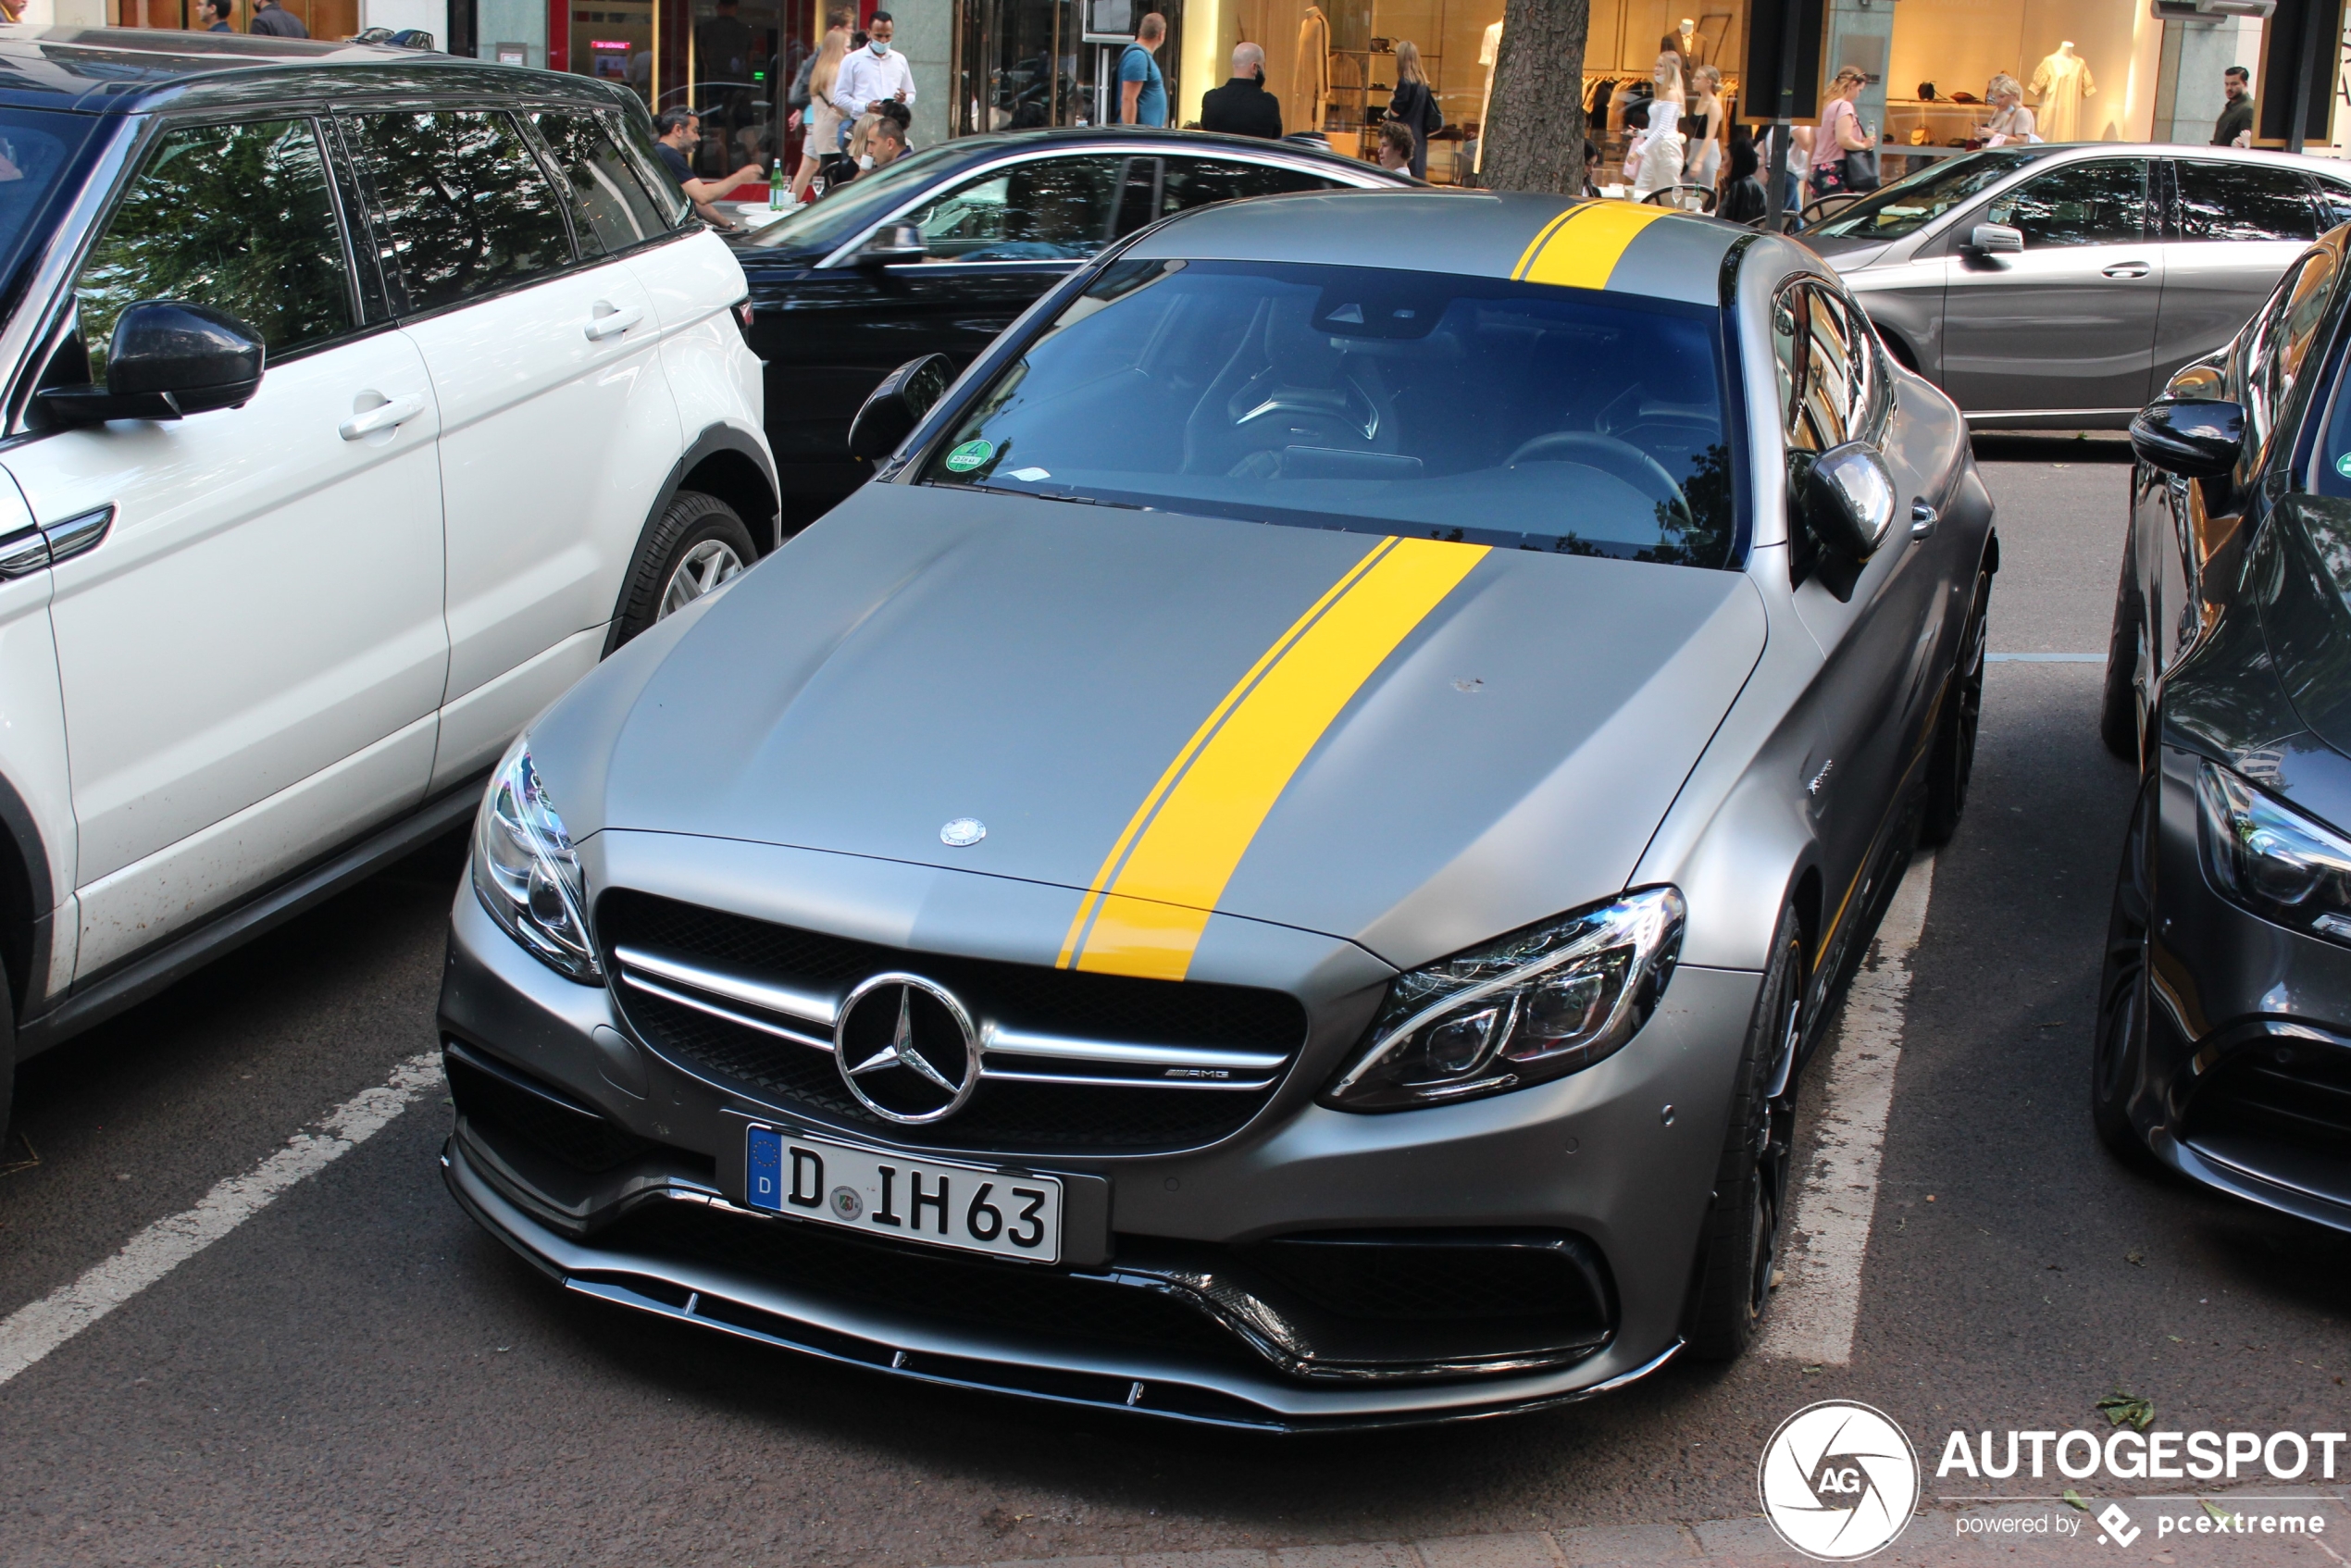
x,y
1838,1481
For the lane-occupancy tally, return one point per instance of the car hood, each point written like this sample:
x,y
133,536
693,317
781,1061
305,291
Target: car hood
x,y
1409,744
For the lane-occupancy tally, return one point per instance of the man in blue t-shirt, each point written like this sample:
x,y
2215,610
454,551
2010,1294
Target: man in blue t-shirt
x,y
1142,91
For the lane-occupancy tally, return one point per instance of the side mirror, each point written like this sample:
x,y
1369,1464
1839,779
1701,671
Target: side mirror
x,y
891,243
169,358
898,405
1846,497
2195,438
1995,239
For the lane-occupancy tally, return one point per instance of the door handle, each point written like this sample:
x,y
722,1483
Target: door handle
x,y
382,416
2127,269
611,323
1923,521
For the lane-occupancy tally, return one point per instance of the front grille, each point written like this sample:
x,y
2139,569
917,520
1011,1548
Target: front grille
x,y
2280,1100
490,1093
784,1058
1419,1277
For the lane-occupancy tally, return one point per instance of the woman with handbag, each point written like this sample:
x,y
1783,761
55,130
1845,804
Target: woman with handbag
x,y
1844,156
1413,105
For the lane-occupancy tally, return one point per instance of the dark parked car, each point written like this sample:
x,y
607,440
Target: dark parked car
x,y
938,253
2223,1043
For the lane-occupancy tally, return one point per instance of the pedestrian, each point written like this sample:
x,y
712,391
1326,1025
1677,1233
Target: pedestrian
x,y
1396,146
1839,133
1413,105
220,11
2234,127
820,134
1702,160
273,20
1143,90
874,75
1591,166
1743,200
2010,121
1653,161
1242,106
681,128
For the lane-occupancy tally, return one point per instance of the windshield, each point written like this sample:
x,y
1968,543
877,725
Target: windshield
x,y
37,150
1910,204
1341,397
824,226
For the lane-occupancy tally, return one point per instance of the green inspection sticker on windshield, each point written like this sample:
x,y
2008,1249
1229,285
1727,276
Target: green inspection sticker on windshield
x,y
970,455
2343,465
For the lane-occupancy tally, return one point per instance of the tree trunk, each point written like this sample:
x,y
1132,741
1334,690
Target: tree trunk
x,y
1533,138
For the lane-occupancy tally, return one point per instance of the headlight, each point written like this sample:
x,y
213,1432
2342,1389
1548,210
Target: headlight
x,y
2264,854
1539,1003
527,875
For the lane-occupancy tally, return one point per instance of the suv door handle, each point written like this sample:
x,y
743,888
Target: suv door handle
x,y
2127,269
1923,521
382,416
611,323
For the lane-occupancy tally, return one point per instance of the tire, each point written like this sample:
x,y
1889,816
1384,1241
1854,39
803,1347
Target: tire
x,y
1953,763
1745,1218
2118,710
2118,1044
7,1061
696,544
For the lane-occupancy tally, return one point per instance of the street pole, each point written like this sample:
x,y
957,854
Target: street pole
x,y
1783,125
2313,16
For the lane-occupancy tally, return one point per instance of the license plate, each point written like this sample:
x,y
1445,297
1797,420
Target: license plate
x,y
968,1208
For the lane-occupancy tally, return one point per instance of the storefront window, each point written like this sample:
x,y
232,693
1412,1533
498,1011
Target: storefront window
x,y
730,60
325,18
1029,64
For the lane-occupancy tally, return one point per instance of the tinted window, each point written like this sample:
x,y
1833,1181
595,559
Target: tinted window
x,y
636,135
1371,401
1034,211
235,217
36,151
465,205
2236,201
1195,182
2334,204
1823,369
2085,204
2280,343
610,208
1911,204
824,226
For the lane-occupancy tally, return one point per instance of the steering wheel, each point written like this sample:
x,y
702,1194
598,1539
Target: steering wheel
x,y
1616,458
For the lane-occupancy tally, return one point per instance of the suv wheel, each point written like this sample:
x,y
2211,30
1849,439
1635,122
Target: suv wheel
x,y
697,543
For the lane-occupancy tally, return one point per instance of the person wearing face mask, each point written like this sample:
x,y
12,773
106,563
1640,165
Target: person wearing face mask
x,y
1242,106
873,75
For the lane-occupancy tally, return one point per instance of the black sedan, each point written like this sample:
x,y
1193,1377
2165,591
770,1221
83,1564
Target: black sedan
x,y
2223,1041
939,251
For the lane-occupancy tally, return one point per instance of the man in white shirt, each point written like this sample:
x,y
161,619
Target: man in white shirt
x,y
873,75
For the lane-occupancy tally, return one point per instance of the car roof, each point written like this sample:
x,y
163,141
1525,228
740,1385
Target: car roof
x,y
2067,151
126,71
1125,138
1625,247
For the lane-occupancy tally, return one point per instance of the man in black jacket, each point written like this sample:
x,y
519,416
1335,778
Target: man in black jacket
x,y
275,21
1242,106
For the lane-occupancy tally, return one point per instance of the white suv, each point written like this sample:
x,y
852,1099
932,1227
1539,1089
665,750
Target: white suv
x,y
358,402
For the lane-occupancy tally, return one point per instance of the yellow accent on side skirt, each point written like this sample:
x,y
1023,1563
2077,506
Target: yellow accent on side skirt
x,y
1151,900
1583,248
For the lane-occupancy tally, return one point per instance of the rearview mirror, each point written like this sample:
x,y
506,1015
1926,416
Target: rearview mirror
x,y
2194,437
898,405
167,358
1995,239
1846,497
890,244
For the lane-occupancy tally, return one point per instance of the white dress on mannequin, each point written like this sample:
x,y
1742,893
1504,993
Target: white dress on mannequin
x,y
2061,82
1310,72
1489,50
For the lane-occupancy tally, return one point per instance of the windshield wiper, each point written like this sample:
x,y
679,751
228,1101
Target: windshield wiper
x,y
1049,495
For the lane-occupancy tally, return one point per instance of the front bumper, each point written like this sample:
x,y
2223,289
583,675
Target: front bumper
x,y
1615,1163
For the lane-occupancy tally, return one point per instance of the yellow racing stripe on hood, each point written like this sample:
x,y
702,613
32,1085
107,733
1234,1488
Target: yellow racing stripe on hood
x,y
1147,905
1581,248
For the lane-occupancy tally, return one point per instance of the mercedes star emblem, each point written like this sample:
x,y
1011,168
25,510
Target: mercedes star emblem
x,y
963,833
906,1049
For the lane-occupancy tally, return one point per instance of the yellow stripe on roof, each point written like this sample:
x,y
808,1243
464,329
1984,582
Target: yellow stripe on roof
x,y
1581,248
1145,917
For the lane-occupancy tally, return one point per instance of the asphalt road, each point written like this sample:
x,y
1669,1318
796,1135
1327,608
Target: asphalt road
x,y
358,1375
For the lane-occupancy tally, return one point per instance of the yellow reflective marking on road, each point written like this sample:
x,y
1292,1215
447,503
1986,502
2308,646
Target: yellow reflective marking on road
x,y
1151,900
1581,250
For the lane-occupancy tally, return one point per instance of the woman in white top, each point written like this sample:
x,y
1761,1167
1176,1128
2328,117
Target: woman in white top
x,y
1704,158
1654,159
821,136
2011,120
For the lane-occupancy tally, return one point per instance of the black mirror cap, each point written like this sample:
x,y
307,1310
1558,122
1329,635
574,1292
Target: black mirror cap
x,y
897,405
167,358
2195,437
890,244
1846,497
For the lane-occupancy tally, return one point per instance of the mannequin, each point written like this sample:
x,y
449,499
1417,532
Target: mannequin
x,y
1489,50
2061,82
1691,45
1310,72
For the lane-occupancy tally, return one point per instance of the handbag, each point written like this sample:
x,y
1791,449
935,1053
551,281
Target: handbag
x,y
1860,168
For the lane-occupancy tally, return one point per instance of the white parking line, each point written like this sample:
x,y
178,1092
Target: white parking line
x,y
1812,1313
31,1332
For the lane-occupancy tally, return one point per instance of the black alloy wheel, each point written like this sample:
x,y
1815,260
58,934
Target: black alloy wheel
x,y
2119,1042
1954,761
2118,707
1747,1218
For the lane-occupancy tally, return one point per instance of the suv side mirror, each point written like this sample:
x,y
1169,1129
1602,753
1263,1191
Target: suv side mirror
x,y
890,244
2194,437
898,405
1995,239
169,358
1846,497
